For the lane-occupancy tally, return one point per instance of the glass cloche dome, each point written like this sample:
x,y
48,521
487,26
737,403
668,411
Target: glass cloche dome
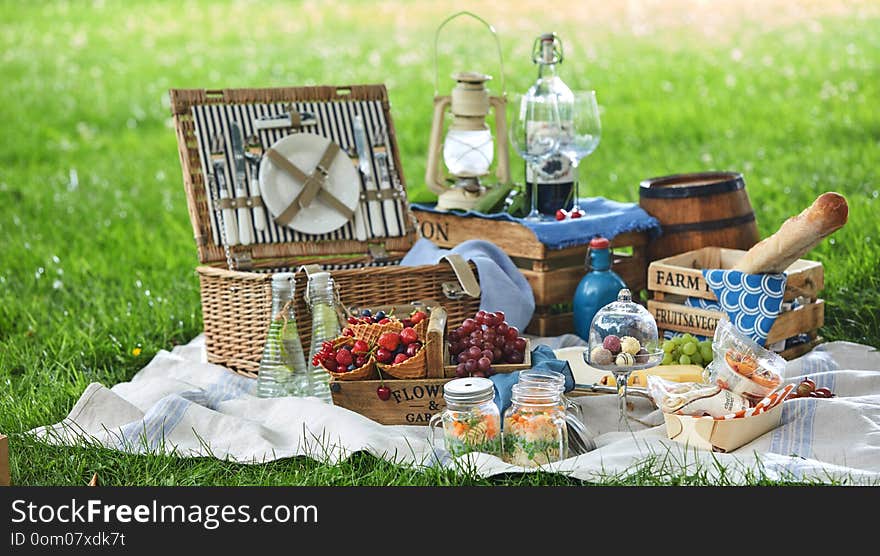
x,y
623,337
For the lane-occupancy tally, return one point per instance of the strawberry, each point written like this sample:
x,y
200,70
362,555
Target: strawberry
x,y
400,358
389,341
360,346
408,336
418,317
344,358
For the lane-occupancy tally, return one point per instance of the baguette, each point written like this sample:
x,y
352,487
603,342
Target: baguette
x,y
797,236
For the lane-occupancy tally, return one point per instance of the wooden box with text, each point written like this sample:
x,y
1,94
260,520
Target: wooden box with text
x,y
553,273
673,279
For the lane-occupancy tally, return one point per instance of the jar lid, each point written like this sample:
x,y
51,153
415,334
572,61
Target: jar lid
x,y
473,389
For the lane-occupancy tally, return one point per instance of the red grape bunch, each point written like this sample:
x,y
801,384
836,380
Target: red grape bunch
x,y
482,341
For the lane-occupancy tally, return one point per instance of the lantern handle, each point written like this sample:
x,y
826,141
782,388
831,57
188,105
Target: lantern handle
x,y
491,29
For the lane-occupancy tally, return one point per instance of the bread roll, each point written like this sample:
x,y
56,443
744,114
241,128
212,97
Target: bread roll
x,y
796,236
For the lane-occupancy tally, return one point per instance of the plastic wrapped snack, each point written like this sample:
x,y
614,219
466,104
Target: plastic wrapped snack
x,y
694,398
742,366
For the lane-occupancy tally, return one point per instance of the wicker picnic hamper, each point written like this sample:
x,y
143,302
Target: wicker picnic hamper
x,y
235,280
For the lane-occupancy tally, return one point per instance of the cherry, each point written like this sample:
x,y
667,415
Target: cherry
x,y
384,393
384,356
560,214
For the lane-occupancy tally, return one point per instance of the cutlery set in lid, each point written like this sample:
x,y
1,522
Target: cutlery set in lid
x,y
303,171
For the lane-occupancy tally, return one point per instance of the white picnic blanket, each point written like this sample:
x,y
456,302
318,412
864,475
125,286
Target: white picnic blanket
x,y
180,404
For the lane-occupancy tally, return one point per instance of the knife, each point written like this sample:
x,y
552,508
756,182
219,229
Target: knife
x,y
245,229
360,143
380,153
218,161
254,155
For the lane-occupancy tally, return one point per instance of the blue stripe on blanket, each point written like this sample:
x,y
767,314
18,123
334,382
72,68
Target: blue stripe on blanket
x,y
167,413
795,436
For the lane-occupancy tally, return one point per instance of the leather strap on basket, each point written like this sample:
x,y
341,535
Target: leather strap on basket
x,y
313,184
467,283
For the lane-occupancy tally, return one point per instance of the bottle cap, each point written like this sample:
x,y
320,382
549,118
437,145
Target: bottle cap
x,y
599,242
283,278
319,278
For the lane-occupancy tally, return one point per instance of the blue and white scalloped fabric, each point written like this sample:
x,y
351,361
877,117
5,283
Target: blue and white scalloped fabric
x,y
751,301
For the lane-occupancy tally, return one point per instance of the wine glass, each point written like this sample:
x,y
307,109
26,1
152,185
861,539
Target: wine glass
x,y
582,139
534,133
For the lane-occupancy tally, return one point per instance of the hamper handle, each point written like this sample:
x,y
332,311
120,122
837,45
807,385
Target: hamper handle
x,y
467,282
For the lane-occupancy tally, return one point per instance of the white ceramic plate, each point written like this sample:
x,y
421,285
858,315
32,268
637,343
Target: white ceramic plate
x,y
279,188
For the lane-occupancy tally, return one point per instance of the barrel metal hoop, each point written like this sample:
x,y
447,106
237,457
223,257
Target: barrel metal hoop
x,y
709,225
730,181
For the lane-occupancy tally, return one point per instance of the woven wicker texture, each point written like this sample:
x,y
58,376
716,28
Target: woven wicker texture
x,y
236,305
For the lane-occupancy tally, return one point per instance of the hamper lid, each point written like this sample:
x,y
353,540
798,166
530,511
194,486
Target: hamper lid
x,y
383,230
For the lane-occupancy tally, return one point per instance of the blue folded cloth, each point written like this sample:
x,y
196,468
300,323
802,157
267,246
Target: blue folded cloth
x,y
603,217
502,285
543,359
751,301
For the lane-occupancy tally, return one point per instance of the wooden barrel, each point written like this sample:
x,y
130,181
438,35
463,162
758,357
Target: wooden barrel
x,y
699,210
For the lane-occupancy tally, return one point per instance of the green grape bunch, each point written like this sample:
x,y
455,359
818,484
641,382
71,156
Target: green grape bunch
x,y
684,349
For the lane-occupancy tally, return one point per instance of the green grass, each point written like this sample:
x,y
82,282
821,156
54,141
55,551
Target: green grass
x,y
96,249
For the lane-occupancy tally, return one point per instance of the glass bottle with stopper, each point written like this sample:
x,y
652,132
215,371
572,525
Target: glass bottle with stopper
x,y
469,148
623,338
322,302
283,370
555,175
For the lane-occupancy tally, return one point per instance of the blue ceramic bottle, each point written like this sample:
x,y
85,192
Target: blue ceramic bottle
x,y
597,288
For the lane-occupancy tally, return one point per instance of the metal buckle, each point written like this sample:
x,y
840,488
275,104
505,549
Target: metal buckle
x,y
378,252
452,290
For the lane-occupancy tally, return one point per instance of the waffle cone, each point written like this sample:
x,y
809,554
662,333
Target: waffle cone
x,y
414,367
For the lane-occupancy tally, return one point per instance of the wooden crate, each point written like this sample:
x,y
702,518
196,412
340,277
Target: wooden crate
x,y
553,273
412,402
5,475
673,279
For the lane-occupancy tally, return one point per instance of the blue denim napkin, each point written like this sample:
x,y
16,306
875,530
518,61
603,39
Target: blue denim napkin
x,y
604,218
543,359
502,286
